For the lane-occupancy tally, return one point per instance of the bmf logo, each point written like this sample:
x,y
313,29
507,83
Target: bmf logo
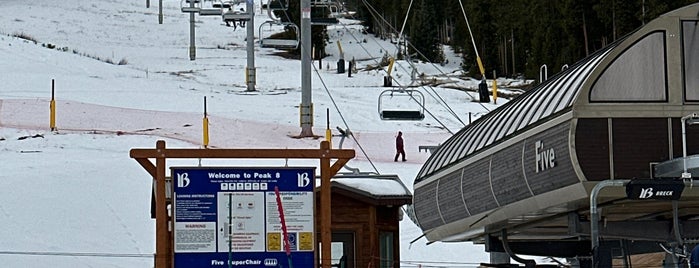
x,y
270,262
302,179
648,193
182,180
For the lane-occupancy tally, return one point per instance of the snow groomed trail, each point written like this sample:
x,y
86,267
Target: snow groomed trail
x,y
79,117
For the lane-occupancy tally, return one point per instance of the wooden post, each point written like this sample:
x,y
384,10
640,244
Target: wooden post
x,y
163,249
325,204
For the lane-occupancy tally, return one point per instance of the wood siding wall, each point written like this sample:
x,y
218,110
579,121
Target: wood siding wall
x,y
350,215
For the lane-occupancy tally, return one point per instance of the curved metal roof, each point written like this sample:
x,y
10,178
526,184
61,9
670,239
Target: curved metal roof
x,y
535,106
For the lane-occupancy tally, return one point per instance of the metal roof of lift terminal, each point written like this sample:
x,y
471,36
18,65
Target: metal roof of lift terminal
x,y
529,166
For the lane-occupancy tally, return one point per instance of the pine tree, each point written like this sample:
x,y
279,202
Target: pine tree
x,y
423,32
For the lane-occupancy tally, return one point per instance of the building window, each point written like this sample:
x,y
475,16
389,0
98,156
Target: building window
x,y
386,249
341,250
690,46
638,74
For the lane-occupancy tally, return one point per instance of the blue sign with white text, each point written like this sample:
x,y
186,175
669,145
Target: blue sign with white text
x,y
230,215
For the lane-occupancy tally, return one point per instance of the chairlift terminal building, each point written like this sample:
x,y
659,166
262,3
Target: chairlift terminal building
x,y
524,173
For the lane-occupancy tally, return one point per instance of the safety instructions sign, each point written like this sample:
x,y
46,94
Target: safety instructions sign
x,y
230,216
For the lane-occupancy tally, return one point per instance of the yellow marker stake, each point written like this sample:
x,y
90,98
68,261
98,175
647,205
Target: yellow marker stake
x,y
206,132
329,137
53,114
495,91
328,133
390,66
52,108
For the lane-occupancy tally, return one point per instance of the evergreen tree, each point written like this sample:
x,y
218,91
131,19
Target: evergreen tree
x,y
423,32
554,33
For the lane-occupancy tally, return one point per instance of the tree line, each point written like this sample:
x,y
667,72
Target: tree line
x,y
513,37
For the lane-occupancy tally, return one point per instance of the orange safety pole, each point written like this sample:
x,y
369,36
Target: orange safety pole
x,y
495,88
205,127
328,133
52,107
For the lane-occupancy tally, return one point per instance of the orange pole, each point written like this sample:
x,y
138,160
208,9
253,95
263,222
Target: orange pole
x,y
52,107
205,127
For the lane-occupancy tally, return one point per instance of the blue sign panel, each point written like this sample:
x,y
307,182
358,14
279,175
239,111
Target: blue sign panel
x,y
230,216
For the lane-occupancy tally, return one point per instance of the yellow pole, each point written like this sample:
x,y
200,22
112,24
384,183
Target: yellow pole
x,y
339,47
205,127
480,66
390,66
52,107
328,133
495,91
495,88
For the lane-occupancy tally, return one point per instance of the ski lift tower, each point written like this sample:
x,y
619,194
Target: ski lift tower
x,y
306,108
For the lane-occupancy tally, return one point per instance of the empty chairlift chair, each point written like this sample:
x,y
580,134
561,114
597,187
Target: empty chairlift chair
x,y
211,9
190,6
280,43
401,104
231,17
327,18
197,6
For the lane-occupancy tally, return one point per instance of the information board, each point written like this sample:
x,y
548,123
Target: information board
x,y
230,215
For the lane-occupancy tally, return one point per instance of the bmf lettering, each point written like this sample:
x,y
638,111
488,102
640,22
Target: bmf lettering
x,y
302,179
647,193
545,158
182,180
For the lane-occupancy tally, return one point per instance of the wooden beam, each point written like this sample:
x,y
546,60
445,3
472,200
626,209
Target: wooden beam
x,y
147,165
335,168
243,153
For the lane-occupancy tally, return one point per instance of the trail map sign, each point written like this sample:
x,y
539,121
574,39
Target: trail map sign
x,y
229,216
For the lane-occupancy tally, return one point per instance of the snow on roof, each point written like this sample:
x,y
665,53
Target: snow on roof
x,y
375,186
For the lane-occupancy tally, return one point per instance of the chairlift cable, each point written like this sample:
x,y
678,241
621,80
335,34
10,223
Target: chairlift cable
x,y
439,99
401,86
374,14
405,21
342,117
473,41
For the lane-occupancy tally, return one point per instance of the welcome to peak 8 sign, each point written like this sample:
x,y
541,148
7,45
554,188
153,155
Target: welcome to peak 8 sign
x,y
230,215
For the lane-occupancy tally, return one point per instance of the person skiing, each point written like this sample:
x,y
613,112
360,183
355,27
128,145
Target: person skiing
x,y
399,147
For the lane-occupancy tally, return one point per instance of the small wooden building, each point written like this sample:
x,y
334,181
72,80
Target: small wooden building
x,y
366,211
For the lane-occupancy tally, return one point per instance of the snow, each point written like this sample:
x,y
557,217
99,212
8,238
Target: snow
x,y
377,187
74,198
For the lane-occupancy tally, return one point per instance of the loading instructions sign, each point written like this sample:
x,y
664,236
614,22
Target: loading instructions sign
x,y
230,215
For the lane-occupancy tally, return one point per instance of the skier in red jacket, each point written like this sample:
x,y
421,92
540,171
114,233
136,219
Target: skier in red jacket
x,y
399,147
